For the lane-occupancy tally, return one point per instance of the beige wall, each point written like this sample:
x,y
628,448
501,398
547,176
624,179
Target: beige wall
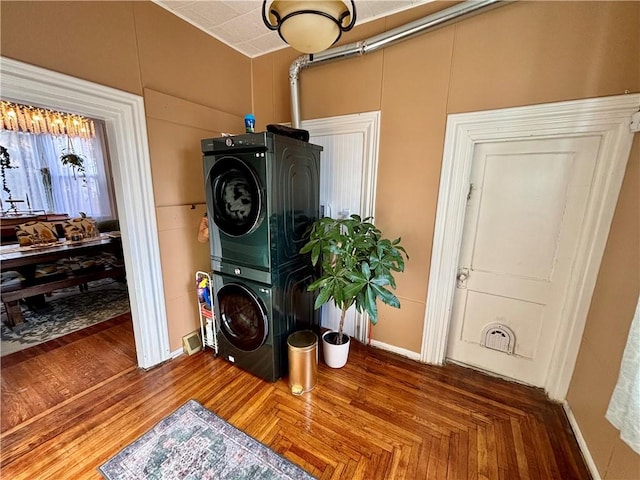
x,y
519,54
194,87
605,335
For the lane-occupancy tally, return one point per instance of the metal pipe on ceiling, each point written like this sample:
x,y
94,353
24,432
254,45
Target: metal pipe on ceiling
x,y
385,39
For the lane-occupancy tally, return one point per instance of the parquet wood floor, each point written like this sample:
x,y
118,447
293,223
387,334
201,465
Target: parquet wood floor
x,y
380,417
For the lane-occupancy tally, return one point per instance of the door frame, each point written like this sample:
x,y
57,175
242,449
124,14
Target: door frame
x,y
608,117
368,125
124,117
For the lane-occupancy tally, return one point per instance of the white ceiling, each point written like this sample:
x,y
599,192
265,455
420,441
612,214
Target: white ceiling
x,y
238,23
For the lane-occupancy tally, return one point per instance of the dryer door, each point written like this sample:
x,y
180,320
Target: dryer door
x,y
243,318
236,197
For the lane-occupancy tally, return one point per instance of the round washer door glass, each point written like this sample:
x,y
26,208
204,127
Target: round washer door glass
x,y
237,201
243,320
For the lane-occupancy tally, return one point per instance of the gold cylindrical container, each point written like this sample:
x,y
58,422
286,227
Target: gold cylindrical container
x,y
303,361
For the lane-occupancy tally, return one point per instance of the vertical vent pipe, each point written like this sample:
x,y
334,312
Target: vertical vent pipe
x,y
385,39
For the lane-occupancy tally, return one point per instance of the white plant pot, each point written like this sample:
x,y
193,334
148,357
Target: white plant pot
x,y
335,356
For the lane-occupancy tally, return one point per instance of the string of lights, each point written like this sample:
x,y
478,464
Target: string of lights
x,y
26,118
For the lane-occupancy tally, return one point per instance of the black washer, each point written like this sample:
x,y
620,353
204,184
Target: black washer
x,y
243,317
237,198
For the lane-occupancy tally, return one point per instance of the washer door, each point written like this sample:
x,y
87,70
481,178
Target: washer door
x,y
237,197
243,319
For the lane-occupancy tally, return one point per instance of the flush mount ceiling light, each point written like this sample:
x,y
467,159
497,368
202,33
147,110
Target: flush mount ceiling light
x,y
309,26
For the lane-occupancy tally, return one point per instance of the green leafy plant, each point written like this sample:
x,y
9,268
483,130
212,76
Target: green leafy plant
x,y
75,161
356,265
5,163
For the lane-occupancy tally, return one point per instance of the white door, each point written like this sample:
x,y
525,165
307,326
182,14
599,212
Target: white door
x,y
525,208
348,166
340,192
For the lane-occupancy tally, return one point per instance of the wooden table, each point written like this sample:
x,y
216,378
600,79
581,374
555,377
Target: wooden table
x,y
25,259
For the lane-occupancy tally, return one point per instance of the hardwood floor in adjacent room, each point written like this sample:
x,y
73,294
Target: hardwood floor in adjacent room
x,y
381,416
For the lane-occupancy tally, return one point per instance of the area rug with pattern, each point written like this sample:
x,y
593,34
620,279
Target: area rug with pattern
x,y
194,443
69,311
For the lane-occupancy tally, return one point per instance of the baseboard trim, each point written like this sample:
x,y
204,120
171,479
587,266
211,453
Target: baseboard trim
x,y
591,465
400,351
176,353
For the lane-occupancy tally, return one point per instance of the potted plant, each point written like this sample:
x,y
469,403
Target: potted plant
x,y
356,268
75,161
69,157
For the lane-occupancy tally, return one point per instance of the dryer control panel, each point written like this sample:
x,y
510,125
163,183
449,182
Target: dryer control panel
x,y
250,142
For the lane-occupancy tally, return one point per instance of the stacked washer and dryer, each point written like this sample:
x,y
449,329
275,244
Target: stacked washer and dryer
x,y
262,192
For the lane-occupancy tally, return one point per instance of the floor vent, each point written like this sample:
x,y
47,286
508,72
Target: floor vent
x,y
498,337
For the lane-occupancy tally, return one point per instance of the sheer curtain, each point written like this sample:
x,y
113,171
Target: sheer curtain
x,y
44,183
624,407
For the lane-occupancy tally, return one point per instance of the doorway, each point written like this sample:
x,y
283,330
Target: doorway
x,y
607,121
348,173
124,117
522,224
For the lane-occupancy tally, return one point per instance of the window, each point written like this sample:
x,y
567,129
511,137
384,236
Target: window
x,y
44,183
